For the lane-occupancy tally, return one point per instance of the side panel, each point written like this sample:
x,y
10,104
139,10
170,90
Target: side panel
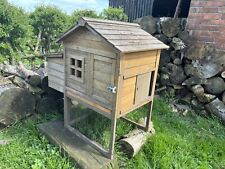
x,y
55,70
136,80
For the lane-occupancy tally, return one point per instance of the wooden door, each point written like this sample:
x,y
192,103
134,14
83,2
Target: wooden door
x,y
142,87
103,77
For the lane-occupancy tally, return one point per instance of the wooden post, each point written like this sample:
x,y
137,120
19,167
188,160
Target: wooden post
x,y
113,137
177,12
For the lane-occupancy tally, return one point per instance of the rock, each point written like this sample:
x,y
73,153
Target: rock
x,y
215,85
170,26
194,81
217,108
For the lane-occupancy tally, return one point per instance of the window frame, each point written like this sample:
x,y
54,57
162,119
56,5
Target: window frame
x,y
74,66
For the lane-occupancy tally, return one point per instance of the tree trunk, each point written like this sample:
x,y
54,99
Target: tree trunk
x,y
178,9
38,41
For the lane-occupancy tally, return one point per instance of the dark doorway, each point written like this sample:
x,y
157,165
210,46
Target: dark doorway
x,y
166,8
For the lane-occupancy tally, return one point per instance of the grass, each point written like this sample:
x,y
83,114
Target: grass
x,y
180,142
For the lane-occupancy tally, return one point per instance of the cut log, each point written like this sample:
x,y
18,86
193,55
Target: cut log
x,y
217,108
177,44
163,38
203,69
197,90
164,58
170,27
149,24
177,61
223,74
30,76
194,81
205,97
184,36
164,79
223,97
215,85
176,73
44,78
15,104
199,51
23,84
133,141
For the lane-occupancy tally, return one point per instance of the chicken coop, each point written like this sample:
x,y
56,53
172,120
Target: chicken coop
x,y
109,67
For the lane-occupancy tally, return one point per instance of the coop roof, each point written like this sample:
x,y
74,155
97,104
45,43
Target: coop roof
x,y
125,37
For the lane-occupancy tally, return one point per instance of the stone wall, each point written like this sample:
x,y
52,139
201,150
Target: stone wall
x,y
206,22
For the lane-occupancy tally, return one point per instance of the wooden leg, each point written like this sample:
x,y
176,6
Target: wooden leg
x,y
150,105
67,110
113,138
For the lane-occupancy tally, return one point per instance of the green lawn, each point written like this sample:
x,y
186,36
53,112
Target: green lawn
x,y
180,142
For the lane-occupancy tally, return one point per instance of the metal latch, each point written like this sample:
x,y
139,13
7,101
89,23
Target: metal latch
x,y
111,89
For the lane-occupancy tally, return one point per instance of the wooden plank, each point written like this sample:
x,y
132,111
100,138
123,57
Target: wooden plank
x,y
56,87
139,70
142,87
56,67
139,59
56,80
93,51
56,60
101,86
55,55
90,20
131,37
126,42
97,25
118,32
56,73
102,67
89,102
76,85
138,48
127,97
103,77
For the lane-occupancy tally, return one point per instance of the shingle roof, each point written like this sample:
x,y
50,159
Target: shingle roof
x,y
125,37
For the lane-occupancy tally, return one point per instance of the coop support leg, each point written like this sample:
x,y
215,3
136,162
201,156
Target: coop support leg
x,y
67,110
113,138
148,126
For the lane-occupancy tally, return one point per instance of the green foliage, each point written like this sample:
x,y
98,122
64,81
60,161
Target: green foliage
x,y
187,142
48,23
77,14
114,14
14,30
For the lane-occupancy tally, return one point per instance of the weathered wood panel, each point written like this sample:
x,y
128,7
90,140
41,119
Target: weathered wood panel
x,y
142,87
86,39
127,94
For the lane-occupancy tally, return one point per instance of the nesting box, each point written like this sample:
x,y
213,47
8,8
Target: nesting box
x,y
110,67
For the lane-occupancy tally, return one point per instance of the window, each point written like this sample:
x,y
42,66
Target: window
x,y
76,69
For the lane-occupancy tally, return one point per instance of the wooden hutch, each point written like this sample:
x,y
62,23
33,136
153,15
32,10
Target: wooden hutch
x,y
109,67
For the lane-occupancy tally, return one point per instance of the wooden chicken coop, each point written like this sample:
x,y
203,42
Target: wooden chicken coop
x,y
109,67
